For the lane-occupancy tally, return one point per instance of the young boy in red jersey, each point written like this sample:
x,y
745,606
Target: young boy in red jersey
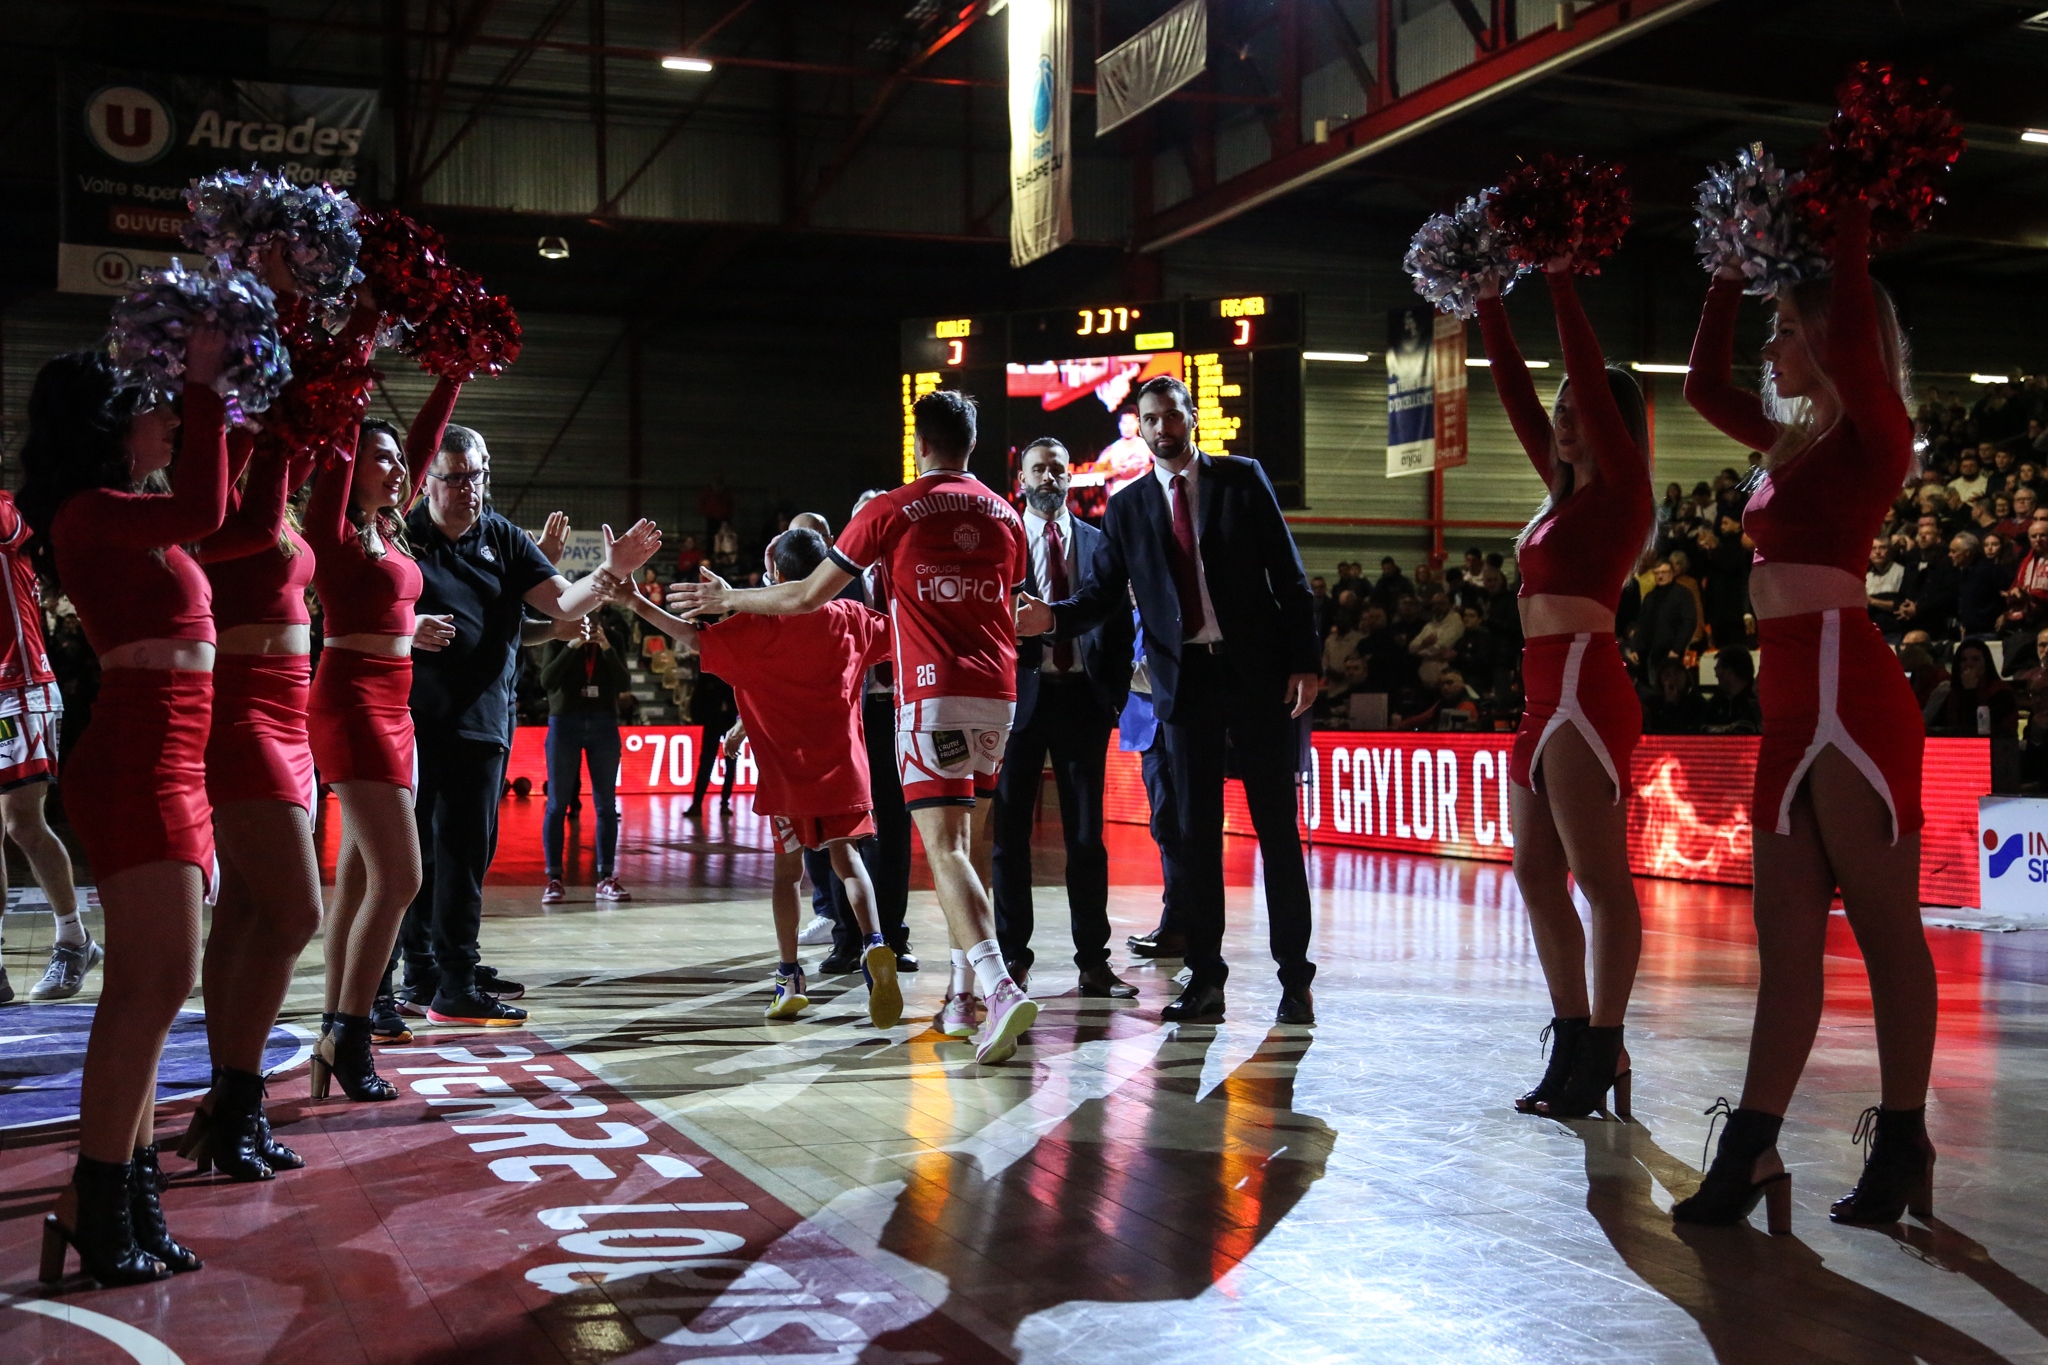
x,y
799,680
955,555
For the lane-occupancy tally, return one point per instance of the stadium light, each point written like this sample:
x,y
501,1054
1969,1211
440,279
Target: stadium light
x,y
1651,367
685,64
1990,378
554,248
1343,357
1481,363
2035,135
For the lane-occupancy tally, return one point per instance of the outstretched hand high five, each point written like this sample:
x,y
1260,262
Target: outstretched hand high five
x,y
623,555
711,596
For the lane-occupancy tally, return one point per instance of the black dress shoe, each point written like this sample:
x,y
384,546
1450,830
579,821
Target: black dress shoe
x,y
1019,973
837,965
1160,945
906,961
1100,983
1198,1004
1297,1006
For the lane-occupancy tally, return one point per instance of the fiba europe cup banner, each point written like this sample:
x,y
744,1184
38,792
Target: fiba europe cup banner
x,y
1425,391
132,141
1041,91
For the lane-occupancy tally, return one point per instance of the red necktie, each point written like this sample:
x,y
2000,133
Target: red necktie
x,y
1056,589
1186,576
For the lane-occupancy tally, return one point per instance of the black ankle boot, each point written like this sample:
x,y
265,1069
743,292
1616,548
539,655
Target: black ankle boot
x,y
1730,1190
1898,1169
101,1229
276,1155
1595,1070
146,1214
1564,1035
344,1055
230,1137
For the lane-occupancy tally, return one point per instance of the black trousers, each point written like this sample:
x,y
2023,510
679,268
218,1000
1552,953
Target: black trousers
x,y
1165,823
1069,725
887,855
707,755
1218,723
456,808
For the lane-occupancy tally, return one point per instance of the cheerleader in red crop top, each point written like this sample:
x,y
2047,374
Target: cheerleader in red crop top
x,y
135,786
259,779
1581,719
1837,796
362,721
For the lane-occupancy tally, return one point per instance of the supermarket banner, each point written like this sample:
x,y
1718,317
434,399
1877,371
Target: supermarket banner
x,y
1447,795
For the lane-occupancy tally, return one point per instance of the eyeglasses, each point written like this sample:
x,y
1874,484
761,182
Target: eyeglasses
x,y
463,478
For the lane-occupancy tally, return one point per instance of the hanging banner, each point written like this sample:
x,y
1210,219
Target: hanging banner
x,y
1041,93
1426,391
1165,55
132,142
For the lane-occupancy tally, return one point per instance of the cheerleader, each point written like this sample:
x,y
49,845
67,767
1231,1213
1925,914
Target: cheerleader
x,y
361,718
259,781
1837,798
1570,764
135,786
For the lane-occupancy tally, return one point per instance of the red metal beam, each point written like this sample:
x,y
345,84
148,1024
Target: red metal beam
x,y
499,86
1408,115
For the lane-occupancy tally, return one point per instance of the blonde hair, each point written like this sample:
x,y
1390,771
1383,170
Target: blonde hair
x,y
1812,302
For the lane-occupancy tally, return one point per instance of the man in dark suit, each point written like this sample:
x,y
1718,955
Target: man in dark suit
x,y
1069,693
1230,642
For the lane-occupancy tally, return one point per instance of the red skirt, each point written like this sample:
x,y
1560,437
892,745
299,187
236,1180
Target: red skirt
x,y
135,787
258,749
1576,680
1874,721
362,718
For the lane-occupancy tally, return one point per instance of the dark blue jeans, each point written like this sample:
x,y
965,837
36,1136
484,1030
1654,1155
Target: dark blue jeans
x,y
570,739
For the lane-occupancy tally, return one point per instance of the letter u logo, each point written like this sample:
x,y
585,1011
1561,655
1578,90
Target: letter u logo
x,y
128,125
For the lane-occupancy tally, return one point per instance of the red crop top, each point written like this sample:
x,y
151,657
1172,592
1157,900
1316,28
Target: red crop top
x,y
361,594
121,555
1823,505
254,582
1589,544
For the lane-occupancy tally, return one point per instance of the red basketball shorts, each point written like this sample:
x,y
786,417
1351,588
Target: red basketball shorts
x,y
794,833
1828,678
1576,680
135,787
361,718
28,746
258,750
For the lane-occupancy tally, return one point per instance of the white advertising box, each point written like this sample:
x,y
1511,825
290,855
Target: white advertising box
x,y
2012,856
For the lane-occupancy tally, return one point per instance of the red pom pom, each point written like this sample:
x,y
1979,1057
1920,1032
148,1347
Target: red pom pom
x,y
471,333
1890,142
330,385
1562,206
404,264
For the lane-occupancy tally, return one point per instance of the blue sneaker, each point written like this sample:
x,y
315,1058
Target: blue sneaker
x,y
789,1000
885,997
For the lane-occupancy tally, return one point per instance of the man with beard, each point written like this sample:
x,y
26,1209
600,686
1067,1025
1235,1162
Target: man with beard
x,y
1229,629
1069,693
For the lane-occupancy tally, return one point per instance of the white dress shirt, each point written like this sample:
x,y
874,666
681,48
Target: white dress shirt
x,y
1210,632
1035,523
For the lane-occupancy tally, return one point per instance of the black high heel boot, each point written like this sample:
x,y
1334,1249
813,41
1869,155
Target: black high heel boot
x,y
1564,1035
146,1214
1898,1169
230,1137
100,1230
276,1155
1594,1072
1731,1190
344,1055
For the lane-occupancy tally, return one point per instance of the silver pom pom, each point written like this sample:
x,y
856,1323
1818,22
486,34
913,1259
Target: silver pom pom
x,y
1748,218
242,214
146,337
1454,254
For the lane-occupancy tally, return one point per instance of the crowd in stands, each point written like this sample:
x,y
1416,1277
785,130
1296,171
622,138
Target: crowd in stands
x,y
1958,583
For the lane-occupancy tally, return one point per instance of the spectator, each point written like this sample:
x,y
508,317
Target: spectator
x,y
1969,482
1479,652
1998,551
2025,502
1392,587
1980,586
1975,701
1388,663
1682,575
1475,563
2002,520
1343,639
1998,474
1927,598
1733,709
725,552
1427,578
1502,613
1335,701
1319,587
2028,475
1437,641
2026,601
1453,706
1728,558
1883,584
1664,627
1923,674
1351,578
2029,671
715,505
1674,707
688,559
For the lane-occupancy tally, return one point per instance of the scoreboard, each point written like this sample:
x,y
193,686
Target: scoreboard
x,y
1073,373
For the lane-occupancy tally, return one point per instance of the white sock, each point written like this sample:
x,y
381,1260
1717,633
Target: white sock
x,y
986,957
70,929
962,982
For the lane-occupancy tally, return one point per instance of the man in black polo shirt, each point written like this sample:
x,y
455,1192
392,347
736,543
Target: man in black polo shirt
x,y
482,571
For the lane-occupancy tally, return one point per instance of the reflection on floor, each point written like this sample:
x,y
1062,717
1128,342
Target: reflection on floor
x,y
651,1173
